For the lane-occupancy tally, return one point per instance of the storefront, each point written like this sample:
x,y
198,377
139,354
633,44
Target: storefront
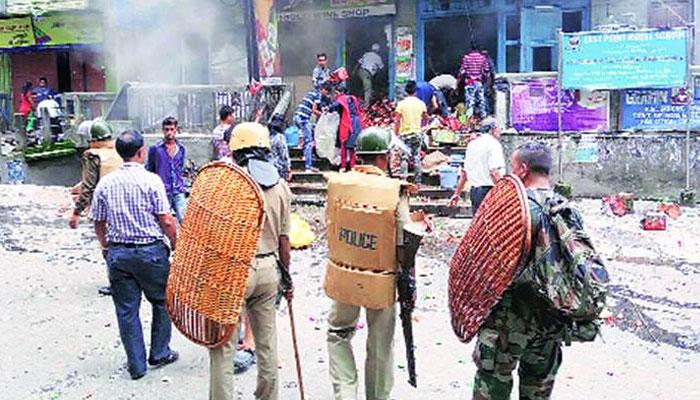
x,y
289,34
519,35
64,48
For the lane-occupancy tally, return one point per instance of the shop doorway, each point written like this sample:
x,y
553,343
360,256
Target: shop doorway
x,y
448,39
360,35
63,72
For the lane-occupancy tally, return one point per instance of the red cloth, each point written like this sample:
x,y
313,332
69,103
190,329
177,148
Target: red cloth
x,y
347,156
345,127
24,105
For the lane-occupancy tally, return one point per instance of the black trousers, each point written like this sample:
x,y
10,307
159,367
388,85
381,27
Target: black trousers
x,y
477,195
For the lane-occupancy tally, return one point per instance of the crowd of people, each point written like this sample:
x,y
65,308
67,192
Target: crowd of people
x,y
137,199
411,120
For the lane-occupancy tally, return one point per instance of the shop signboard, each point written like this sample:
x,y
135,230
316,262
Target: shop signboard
x,y
625,60
16,32
38,7
294,10
534,105
405,64
68,29
659,110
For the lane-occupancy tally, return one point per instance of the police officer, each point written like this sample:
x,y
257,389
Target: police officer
x,y
373,147
521,329
98,160
250,146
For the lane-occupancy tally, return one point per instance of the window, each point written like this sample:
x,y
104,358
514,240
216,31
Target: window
x,y
669,13
542,59
513,59
513,27
572,21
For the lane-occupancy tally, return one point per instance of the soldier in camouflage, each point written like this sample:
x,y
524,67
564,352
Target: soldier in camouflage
x,y
522,329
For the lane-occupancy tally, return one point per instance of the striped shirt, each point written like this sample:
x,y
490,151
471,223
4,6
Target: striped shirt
x,y
130,201
474,66
320,76
305,108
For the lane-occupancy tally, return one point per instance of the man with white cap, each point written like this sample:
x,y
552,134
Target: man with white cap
x,y
484,164
370,63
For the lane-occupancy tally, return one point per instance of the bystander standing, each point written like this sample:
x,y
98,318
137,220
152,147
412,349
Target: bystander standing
x,y
220,133
132,219
321,72
484,164
167,159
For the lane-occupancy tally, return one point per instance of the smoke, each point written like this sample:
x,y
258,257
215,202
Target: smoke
x,y
176,41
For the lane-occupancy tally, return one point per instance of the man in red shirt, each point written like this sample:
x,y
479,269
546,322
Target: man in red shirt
x,y
473,72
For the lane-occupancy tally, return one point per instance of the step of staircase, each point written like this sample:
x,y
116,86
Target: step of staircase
x,y
319,189
433,207
296,152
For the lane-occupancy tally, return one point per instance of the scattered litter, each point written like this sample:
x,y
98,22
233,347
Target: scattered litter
x,y
673,210
620,204
301,235
654,221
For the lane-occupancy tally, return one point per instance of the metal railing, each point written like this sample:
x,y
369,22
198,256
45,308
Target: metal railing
x,y
83,106
196,107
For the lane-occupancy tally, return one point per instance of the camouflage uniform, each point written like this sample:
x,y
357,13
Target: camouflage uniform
x,y
520,329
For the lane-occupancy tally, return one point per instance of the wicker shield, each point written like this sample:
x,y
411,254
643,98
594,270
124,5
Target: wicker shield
x,y
217,242
490,254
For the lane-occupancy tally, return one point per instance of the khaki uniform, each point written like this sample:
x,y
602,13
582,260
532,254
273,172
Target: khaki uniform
x,y
97,161
379,364
259,305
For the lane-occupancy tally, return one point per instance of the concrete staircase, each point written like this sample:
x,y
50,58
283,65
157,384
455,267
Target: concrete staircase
x,y
309,188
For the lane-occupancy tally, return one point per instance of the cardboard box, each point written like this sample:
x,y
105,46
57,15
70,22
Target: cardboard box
x,y
376,290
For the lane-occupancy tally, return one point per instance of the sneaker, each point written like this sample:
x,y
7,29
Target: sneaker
x,y
243,360
169,359
312,170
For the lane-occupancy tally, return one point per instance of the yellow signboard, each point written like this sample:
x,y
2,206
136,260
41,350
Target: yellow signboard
x,y
68,29
16,32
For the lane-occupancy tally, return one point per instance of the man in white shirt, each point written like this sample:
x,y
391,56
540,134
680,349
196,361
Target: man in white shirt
x,y
484,164
370,63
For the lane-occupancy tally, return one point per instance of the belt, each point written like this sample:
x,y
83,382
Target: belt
x,y
264,255
132,245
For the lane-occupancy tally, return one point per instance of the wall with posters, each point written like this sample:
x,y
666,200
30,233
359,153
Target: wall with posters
x,y
534,108
404,55
649,165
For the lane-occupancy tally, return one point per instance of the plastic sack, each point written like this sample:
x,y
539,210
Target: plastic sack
x,y
325,135
301,235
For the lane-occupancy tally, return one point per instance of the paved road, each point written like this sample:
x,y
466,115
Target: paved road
x,y
59,338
